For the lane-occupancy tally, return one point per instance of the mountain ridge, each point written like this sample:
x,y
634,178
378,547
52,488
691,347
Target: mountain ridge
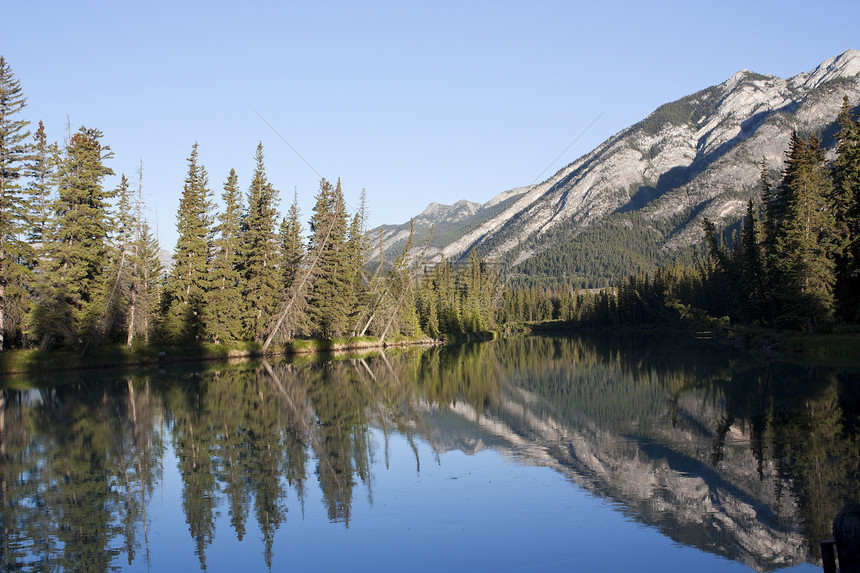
x,y
693,157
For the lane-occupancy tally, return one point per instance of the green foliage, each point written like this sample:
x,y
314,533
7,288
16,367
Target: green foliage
x,y
259,252
292,245
15,151
846,202
605,253
68,309
793,266
188,281
79,265
802,263
685,111
331,294
223,298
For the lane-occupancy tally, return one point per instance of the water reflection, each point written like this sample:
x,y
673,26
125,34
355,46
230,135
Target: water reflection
x,y
745,460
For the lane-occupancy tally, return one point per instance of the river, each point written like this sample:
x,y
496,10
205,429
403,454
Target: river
x,y
615,453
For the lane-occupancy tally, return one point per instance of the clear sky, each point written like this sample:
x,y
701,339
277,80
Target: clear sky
x,y
413,101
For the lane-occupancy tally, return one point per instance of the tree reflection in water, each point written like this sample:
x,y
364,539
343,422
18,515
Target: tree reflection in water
x,y
80,461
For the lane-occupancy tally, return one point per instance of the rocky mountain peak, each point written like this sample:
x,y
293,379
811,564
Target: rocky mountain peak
x,y
845,65
645,190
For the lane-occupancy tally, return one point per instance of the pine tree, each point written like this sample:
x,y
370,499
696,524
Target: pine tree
x,y
223,322
15,150
802,258
113,301
771,206
150,276
41,172
259,252
326,306
75,256
188,281
846,200
753,271
292,249
357,293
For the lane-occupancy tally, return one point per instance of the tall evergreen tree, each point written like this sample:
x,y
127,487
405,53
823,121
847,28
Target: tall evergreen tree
x,y
15,150
260,252
75,256
771,206
802,258
41,172
327,309
292,247
357,293
113,299
224,296
188,280
846,200
753,271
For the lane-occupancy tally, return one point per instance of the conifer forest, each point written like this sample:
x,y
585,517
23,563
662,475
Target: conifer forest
x,y
79,264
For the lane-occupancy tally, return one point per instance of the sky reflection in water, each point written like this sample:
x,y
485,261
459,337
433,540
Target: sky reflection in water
x,y
480,512
519,455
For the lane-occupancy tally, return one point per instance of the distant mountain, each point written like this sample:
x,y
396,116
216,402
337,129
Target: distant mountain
x,y
638,199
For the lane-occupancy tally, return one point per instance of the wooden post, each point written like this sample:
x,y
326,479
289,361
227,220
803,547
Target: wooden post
x,y
846,530
828,556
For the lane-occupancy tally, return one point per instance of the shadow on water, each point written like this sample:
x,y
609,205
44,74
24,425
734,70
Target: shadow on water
x,y
744,460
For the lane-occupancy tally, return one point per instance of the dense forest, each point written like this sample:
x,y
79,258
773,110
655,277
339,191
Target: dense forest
x,y
794,261
79,264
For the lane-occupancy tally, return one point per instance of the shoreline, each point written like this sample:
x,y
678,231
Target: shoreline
x,y
23,362
30,361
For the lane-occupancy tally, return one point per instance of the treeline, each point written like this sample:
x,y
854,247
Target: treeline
x,y
79,264
794,263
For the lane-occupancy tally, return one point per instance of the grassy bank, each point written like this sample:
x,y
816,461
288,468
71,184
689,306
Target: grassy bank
x,y
837,349
33,361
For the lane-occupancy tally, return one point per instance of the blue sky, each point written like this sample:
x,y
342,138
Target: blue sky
x,y
413,101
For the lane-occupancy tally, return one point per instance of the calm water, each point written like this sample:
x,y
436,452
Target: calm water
x,y
525,454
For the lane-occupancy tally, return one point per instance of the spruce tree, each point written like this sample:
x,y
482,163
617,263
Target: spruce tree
x,y
184,293
260,252
41,172
114,296
149,275
292,247
223,322
846,201
357,293
753,272
327,309
75,255
802,259
15,151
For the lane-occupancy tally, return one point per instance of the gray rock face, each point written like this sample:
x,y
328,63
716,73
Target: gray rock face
x,y
700,154
666,480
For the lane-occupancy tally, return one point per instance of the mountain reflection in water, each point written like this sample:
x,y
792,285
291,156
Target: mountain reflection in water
x,y
746,461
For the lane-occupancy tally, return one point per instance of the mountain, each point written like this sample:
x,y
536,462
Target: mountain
x,y
638,199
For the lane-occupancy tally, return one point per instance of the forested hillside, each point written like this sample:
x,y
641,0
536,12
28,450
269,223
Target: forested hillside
x,y
638,199
79,265
794,261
